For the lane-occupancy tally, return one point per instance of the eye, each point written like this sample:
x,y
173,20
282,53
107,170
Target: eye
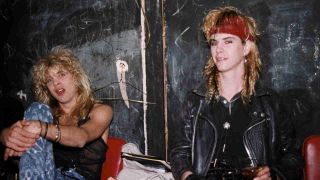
x,y
62,74
228,42
49,80
212,42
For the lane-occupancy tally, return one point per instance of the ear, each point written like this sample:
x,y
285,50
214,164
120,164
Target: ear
x,y
247,47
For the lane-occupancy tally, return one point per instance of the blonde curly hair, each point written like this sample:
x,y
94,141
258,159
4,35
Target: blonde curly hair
x,y
62,58
214,20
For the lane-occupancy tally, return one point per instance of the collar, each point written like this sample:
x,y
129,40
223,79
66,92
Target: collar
x,y
260,90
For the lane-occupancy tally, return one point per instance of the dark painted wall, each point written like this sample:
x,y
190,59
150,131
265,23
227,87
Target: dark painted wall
x,y
154,63
100,33
289,47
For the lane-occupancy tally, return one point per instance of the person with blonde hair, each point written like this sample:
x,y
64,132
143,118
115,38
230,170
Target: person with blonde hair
x,y
70,127
236,127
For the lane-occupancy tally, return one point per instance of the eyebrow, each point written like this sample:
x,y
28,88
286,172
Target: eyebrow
x,y
226,38
62,71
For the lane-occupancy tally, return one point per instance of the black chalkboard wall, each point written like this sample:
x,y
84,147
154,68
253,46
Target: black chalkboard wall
x,y
102,32
289,46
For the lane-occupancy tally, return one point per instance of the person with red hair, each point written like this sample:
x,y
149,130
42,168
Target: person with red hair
x,y
235,127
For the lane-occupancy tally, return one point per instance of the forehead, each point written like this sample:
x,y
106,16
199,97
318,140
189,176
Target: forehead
x,y
56,69
223,36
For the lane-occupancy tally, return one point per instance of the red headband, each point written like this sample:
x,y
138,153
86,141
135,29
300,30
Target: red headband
x,y
235,26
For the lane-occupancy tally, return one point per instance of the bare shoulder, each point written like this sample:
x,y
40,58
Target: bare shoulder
x,y
101,107
101,110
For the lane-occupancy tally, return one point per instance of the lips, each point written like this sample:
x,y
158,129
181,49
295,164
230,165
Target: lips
x,y
60,92
220,58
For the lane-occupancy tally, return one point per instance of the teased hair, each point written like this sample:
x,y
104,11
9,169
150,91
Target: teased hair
x,y
62,58
214,20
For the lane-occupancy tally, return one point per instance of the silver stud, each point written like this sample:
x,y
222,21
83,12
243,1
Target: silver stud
x,y
226,125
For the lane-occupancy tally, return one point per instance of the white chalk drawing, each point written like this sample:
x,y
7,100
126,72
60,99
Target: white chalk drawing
x,y
122,68
22,95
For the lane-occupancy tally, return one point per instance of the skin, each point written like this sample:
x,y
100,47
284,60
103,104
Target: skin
x,y
17,140
228,52
264,174
61,85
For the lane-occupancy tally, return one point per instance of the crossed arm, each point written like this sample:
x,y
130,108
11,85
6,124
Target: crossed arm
x,y
23,134
17,139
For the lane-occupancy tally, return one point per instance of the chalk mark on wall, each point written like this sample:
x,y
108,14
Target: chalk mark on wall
x,y
22,95
176,42
122,67
179,8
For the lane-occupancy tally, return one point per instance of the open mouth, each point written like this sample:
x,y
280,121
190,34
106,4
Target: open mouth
x,y
60,92
220,58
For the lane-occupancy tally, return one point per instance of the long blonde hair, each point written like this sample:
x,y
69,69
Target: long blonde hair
x,y
62,58
213,20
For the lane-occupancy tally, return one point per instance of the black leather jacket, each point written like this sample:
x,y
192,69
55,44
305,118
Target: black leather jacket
x,y
269,137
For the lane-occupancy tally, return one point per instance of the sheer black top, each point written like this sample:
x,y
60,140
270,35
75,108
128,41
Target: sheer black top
x,y
87,161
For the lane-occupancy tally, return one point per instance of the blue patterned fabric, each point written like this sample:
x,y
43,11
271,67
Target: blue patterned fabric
x,y
37,163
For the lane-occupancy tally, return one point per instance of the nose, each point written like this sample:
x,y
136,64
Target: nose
x,y
56,81
219,47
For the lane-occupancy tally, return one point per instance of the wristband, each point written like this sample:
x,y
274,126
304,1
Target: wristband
x,y
40,127
45,131
58,134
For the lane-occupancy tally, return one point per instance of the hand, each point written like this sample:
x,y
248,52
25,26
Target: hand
x,y
17,138
33,127
10,152
263,174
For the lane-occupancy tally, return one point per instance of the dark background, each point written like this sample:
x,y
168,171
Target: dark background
x,y
100,32
289,49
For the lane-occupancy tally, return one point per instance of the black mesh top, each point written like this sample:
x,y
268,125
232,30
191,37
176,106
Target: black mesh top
x,y
87,160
